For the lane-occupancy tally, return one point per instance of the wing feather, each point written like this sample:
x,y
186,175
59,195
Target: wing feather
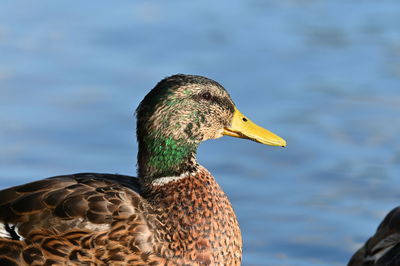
x,y
81,200
383,248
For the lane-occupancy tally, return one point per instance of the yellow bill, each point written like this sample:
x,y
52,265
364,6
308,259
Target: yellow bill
x,y
242,127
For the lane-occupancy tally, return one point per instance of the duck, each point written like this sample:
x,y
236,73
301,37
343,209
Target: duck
x,y
173,213
383,248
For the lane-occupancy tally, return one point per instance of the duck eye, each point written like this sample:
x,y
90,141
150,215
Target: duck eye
x,y
206,96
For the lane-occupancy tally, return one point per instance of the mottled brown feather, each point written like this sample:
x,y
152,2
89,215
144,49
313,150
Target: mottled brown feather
x,y
99,219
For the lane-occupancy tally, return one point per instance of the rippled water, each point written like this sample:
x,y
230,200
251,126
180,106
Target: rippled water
x,y
325,75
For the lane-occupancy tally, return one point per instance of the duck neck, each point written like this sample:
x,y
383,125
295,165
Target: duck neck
x,y
161,156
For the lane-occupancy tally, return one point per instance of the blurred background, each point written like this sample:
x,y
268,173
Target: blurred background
x,y
325,75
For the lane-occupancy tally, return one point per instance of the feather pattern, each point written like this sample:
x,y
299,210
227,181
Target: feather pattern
x,y
383,248
96,219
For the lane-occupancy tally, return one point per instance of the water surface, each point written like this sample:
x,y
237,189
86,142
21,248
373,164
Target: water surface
x,y
325,75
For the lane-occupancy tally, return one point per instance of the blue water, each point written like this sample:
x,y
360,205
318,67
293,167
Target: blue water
x,y
325,75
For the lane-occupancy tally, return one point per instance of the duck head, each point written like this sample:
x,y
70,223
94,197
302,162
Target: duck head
x,y
179,113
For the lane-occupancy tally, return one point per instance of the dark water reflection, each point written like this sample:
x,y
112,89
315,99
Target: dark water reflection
x,y
323,74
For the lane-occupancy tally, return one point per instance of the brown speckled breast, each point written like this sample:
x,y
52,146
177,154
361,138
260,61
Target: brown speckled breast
x,y
201,226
